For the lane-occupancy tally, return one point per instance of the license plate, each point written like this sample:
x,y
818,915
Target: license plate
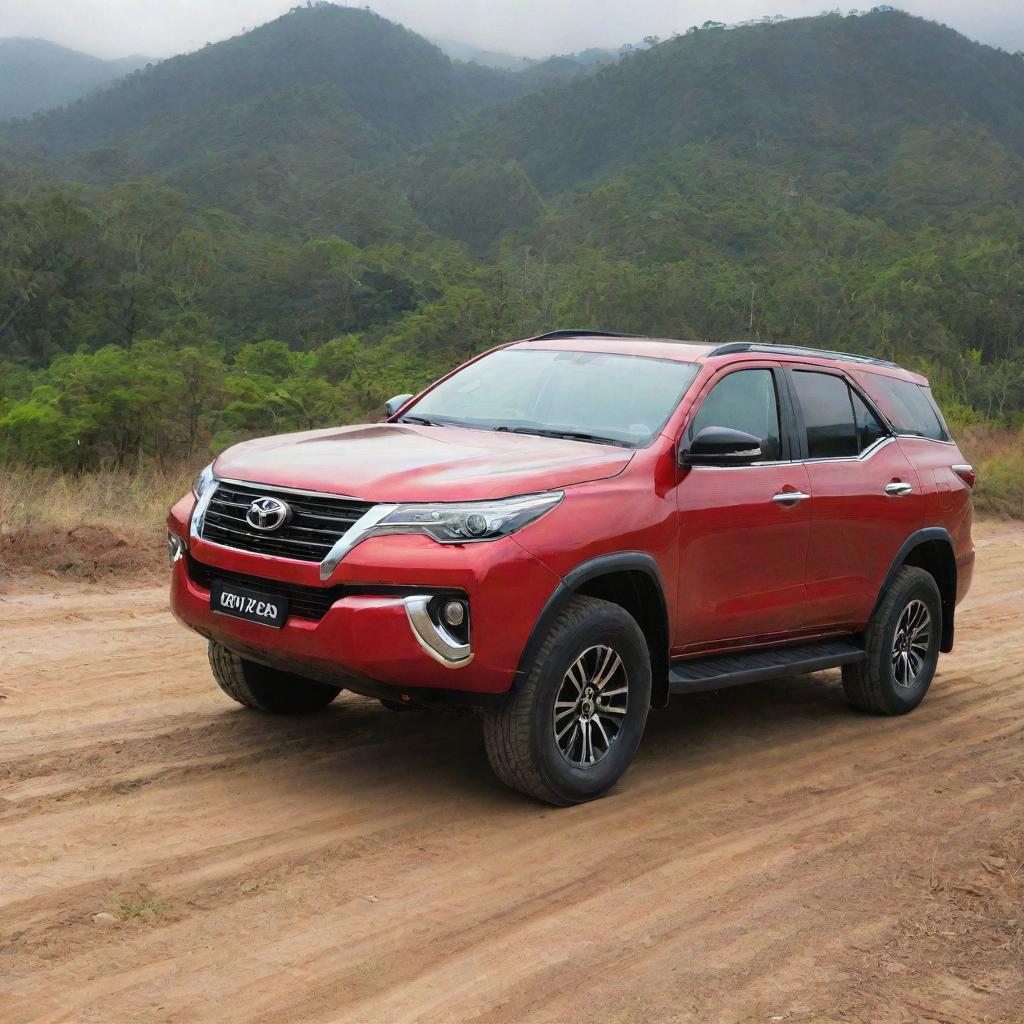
x,y
251,605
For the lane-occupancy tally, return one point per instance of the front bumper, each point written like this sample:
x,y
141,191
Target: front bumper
x,y
373,633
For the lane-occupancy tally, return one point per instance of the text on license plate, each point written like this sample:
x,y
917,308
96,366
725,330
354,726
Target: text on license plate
x,y
242,603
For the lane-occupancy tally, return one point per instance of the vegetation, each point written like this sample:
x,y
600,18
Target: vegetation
x,y
239,241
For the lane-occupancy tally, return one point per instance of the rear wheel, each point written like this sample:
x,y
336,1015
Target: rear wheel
x,y
902,647
267,689
571,729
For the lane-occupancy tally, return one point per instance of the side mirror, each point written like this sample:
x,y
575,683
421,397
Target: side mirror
x,y
720,446
394,404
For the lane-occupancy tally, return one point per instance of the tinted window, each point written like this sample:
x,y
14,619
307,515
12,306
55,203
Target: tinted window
x,y
910,407
745,400
828,415
623,398
869,428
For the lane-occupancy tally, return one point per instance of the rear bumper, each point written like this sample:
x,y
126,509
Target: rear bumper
x,y
367,640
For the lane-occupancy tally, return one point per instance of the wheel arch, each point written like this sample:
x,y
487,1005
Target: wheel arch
x,y
630,579
930,549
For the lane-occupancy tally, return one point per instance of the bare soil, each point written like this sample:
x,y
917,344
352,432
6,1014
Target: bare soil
x,y
772,855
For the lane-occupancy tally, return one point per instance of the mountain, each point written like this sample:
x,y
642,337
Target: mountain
x,y
36,75
336,183
810,95
467,52
541,72
268,117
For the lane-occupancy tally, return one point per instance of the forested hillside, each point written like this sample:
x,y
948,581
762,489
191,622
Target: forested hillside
x,y
283,229
262,123
36,75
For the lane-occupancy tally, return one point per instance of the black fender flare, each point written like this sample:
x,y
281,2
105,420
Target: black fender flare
x,y
592,568
924,536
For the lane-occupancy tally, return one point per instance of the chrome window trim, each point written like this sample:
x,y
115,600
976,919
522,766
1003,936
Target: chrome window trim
x,y
921,437
863,457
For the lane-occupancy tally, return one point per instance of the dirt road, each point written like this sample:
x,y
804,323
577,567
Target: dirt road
x,y
772,856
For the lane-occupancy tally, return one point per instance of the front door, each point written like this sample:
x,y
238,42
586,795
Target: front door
x,y
743,530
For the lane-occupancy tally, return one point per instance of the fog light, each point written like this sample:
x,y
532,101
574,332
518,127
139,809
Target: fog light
x,y
454,613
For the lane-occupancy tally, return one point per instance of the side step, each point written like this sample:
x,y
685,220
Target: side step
x,y
696,675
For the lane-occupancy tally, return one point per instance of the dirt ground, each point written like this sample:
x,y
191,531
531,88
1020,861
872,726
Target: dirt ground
x,y
772,855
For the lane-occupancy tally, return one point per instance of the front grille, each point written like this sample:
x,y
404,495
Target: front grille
x,y
305,602
316,523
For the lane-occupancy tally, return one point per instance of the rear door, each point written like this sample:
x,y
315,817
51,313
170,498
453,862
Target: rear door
x,y
743,530
867,496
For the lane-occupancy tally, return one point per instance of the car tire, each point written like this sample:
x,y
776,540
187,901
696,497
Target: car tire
x,y
902,643
575,679
267,689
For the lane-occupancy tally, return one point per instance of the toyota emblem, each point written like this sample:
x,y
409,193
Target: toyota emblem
x,y
267,514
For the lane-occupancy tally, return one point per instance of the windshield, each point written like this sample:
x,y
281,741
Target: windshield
x,y
593,396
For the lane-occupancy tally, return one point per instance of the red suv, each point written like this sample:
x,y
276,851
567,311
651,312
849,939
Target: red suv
x,y
570,528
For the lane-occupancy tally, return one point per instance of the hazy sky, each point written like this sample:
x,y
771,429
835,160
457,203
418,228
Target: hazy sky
x,y
113,28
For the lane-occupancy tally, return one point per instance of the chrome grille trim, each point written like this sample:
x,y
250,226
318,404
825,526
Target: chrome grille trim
x,y
319,520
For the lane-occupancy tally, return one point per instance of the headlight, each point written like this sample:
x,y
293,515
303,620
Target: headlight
x,y
203,482
461,523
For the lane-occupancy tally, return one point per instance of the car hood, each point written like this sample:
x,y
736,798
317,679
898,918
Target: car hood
x,y
396,462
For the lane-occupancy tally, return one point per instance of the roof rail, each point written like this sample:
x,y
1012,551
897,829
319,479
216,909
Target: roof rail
x,y
796,350
581,334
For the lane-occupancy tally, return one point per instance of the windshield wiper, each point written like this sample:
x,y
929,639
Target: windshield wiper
x,y
425,420
569,435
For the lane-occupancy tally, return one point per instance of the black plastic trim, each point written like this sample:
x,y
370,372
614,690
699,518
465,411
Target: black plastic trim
x,y
585,333
717,672
733,347
915,540
602,565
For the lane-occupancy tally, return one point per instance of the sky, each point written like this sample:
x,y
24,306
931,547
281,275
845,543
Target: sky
x,y
534,28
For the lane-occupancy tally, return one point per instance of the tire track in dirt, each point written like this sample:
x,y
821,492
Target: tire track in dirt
x,y
772,853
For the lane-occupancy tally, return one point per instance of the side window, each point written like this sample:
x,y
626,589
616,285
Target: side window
x,y
869,429
828,415
744,400
910,407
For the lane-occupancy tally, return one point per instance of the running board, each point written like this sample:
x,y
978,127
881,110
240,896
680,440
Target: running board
x,y
696,675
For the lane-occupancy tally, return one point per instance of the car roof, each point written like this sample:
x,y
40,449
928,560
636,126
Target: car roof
x,y
706,352
618,344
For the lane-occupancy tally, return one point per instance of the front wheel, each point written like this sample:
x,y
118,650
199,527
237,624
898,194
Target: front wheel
x,y
267,689
902,642
571,729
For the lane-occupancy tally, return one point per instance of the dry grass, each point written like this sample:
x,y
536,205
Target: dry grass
x,y
110,523
107,523
998,457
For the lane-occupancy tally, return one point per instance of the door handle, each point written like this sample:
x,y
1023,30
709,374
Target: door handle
x,y
789,497
898,488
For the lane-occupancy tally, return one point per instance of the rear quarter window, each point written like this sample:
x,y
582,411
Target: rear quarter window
x,y
909,407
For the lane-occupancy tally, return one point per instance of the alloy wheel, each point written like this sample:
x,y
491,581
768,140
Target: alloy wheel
x,y
910,643
590,706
